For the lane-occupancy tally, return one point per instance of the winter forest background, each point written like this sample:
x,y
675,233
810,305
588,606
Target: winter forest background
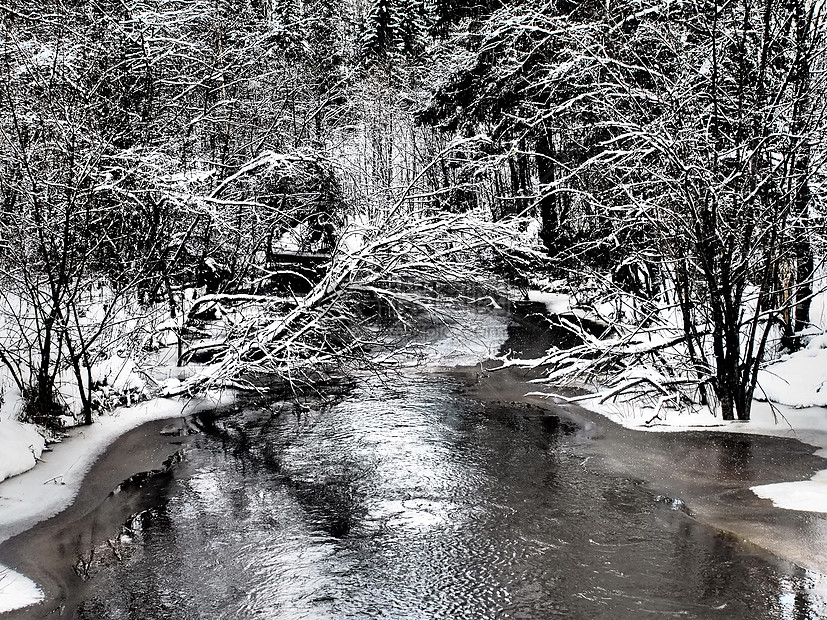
x,y
287,188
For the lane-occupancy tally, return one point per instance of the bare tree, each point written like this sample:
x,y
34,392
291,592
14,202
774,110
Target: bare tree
x,y
678,139
386,273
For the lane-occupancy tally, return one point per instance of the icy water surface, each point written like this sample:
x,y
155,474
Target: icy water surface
x,y
412,501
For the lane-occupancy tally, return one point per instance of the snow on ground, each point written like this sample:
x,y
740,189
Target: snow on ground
x,y
20,446
800,379
17,591
49,488
556,303
120,373
564,304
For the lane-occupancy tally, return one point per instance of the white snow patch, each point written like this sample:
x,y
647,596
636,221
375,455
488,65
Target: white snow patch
x,y
806,495
292,239
17,591
119,373
564,304
469,342
352,240
556,303
188,177
798,380
20,446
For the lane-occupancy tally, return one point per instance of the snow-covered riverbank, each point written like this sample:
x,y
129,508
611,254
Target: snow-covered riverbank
x,y
791,400
51,486
793,404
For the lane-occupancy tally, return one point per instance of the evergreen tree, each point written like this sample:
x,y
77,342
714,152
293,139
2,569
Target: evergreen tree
x,y
446,13
395,27
412,27
381,29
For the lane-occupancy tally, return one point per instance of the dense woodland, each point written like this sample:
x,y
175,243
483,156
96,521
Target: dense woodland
x,y
322,173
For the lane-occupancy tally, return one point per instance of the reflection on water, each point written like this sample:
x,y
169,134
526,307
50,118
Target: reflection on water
x,y
415,502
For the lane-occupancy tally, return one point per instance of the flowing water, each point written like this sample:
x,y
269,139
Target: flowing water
x,y
411,500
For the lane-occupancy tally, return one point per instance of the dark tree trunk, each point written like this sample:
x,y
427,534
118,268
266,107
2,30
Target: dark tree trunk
x,y
804,274
552,228
801,167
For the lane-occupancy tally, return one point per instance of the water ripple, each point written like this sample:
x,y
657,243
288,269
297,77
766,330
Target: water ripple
x,y
413,502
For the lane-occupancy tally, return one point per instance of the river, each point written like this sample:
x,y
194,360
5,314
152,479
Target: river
x,y
411,500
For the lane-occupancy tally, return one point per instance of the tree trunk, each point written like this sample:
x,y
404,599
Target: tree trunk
x,y
551,230
44,399
727,405
804,274
801,167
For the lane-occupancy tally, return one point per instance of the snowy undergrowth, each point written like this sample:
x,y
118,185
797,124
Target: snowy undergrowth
x,y
38,483
119,381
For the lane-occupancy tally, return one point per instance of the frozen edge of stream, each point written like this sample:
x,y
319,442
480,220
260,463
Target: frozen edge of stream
x,y
796,385
807,425
52,485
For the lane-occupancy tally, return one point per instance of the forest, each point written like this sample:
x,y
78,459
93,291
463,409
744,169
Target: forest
x,y
361,308
280,191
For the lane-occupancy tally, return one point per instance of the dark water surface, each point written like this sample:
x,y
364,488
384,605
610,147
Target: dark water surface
x,y
414,501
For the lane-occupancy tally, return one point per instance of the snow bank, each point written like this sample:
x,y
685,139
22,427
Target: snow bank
x,y
17,591
45,490
119,373
564,304
798,380
20,446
